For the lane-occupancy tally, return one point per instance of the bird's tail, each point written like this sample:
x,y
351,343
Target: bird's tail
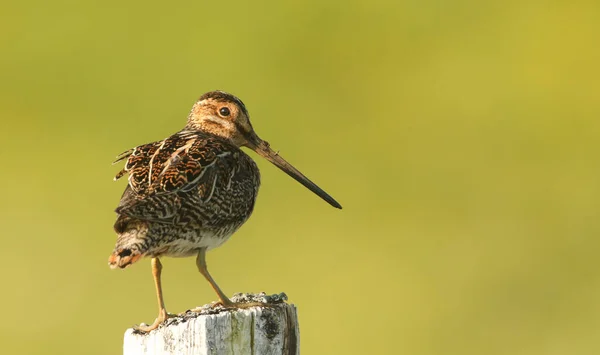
x,y
131,242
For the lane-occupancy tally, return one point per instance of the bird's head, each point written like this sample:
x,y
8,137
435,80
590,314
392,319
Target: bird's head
x,y
223,115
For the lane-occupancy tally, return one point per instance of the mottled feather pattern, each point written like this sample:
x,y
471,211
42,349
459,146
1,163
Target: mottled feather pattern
x,y
188,187
176,163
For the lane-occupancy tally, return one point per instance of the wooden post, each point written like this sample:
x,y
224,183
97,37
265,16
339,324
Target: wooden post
x,y
269,329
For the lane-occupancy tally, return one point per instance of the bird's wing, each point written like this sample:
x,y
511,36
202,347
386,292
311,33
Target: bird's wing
x,y
162,174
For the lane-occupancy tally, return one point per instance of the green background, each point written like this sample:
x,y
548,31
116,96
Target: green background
x,y
461,137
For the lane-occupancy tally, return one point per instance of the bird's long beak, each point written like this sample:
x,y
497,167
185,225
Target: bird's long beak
x,y
263,149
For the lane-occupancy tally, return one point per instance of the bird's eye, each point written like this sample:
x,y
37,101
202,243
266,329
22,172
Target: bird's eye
x,y
224,111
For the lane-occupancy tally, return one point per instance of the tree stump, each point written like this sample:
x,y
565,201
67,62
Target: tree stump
x,y
268,328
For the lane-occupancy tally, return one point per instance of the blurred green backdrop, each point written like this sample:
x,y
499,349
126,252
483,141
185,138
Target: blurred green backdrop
x,y
460,137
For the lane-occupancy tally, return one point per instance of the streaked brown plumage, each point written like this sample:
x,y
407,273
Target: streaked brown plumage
x,y
191,191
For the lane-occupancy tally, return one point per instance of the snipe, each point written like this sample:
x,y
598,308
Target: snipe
x,y
191,191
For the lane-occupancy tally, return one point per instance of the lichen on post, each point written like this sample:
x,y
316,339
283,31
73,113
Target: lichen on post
x,y
269,326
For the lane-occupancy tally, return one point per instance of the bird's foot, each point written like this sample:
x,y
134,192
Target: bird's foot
x,y
242,301
241,305
162,317
215,306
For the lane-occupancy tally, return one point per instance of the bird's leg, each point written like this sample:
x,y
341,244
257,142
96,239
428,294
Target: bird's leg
x,y
201,263
162,312
223,300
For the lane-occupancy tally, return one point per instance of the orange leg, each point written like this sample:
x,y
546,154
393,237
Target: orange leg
x,y
223,300
201,263
162,312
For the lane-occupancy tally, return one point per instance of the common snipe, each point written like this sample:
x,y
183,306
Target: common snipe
x,y
191,191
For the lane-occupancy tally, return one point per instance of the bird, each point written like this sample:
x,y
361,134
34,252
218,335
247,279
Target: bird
x,y
189,192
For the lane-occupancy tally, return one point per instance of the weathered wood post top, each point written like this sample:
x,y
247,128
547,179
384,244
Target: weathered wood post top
x,y
269,326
